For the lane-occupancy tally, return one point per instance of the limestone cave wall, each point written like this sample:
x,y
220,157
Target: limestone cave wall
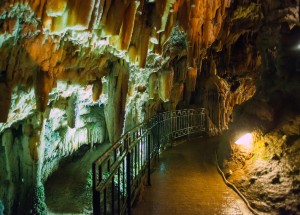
x,y
267,172
80,73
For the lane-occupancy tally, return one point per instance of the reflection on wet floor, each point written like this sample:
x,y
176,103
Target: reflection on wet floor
x,y
186,182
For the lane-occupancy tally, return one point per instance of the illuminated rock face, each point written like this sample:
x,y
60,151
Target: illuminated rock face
x,y
76,72
268,173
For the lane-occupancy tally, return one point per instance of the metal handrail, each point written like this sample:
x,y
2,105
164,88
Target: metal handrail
x,y
119,173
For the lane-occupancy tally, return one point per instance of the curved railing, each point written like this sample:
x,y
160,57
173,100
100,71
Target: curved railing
x,y
119,173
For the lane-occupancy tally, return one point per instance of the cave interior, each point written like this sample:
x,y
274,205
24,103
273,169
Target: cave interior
x,y
75,75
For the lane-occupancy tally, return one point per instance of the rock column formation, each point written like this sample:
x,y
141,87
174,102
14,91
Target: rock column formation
x,y
76,74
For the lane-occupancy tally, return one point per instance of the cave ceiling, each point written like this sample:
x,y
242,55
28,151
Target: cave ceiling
x,y
46,41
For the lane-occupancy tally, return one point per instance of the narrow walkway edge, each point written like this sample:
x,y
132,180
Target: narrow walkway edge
x,y
232,186
186,182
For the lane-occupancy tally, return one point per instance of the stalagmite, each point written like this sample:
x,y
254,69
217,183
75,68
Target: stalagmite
x,y
117,88
177,93
191,79
216,95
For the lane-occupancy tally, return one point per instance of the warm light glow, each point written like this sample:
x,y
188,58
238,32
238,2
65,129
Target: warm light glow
x,y
245,140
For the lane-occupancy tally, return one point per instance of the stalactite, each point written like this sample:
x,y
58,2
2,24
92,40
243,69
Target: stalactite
x,y
180,69
96,15
97,90
143,48
106,7
128,25
71,111
5,100
115,17
152,85
56,7
165,84
138,49
117,88
38,7
43,86
76,16
165,35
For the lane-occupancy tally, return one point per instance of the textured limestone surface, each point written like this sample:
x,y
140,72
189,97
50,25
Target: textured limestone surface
x,y
78,73
267,172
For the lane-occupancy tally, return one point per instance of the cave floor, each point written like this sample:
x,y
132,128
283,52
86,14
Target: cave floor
x,y
186,182
69,189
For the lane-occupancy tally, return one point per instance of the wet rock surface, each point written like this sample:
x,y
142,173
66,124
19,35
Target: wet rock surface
x,y
186,181
73,74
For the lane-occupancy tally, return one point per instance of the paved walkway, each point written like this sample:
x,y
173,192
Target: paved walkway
x,y
186,182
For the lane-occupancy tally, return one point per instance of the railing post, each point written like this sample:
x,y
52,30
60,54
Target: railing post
x,y
158,138
96,193
149,159
188,124
171,128
128,179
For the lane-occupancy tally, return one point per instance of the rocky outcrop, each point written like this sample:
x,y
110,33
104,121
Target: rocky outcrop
x,y
74,73
267,173
34,144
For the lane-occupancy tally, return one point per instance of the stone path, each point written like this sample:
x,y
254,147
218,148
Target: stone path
x,y
186,182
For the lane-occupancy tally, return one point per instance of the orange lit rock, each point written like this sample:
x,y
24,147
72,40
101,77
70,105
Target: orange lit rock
x,y
216,95
77,16
177,93
97,15
97,90
165,84
132,53
128,24
152,85
38,7
180,70
191,79
43,86
143,50
141,34
116,15
56,7
33,147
